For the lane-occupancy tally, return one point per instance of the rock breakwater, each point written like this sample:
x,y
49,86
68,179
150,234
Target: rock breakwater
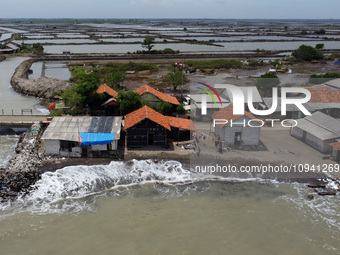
x,y
23,171
43,87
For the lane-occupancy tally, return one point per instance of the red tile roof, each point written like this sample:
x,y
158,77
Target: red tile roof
x,y
166,98
336,145
106,89
227,113
181,123
143,113
324,95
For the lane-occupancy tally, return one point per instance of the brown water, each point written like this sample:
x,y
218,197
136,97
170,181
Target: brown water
x,y
11,100
204,217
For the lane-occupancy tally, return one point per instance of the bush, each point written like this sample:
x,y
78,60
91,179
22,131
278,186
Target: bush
x,y
307,53
56,112
164,108
129,101
320,31
322,78
214,64
180,109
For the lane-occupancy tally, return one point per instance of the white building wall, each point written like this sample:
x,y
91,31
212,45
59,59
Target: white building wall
x,y
52,147
297,132
315,142
114,145
249,135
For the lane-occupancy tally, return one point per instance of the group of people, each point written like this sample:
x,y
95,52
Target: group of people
x,y
216,139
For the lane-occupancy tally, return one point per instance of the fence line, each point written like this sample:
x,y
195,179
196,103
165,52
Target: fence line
x,y
21,112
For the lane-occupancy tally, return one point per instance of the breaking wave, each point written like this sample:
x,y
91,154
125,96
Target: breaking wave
x,y
75,188
8,144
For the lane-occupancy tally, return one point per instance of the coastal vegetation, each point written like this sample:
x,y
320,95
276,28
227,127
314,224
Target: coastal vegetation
x,y
322,78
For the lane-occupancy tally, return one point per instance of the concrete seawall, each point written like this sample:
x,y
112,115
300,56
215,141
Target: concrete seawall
x,y
43,87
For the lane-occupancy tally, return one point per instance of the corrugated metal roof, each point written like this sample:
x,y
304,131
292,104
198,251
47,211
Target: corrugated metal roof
x,y
68,128
320,125
334,83
325,121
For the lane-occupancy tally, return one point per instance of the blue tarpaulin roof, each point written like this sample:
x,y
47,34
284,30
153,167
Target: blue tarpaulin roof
x,y
96,138
337,62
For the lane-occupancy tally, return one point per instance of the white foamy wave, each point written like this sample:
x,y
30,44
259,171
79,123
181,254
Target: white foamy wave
x,y
66,188
41,109
8,144
321,209
75,188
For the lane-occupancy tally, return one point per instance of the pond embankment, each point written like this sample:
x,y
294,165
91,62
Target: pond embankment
x,y
43,87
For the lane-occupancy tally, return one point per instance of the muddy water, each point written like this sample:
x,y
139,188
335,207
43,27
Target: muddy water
x,y
119,209
9,99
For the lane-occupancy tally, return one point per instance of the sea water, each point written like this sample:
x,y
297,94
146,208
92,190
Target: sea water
x,y
147,207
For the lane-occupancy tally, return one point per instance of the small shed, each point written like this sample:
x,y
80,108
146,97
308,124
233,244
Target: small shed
x,y
82,136
318,130
240,132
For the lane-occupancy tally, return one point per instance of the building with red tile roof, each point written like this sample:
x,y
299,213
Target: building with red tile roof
x,y
181,123
236,129
147,90
143,113
324,95
146,127
106,89
227,113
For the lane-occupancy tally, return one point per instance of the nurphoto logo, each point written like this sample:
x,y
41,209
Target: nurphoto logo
x,y
239,99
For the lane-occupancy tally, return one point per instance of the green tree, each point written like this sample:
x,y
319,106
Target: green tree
x,y
115,78
73,100
129,101
320,31
176,77
82,94
266,82
147,43
307,53
37,48
180,109
164,108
